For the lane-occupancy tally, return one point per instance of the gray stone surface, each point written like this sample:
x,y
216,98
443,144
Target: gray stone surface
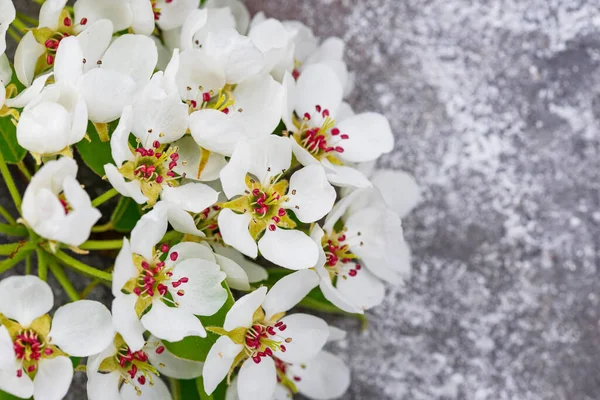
x,y
496,109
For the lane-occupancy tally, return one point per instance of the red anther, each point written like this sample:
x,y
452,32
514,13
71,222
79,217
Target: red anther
x,y
184,280
164,247
160,349
137,291
216,208
352,272
48,351
282,348
278,324
160,264
306,116
342,238
156,144
180,293
296,74
255,192
148,280
145,264
141,379
83,21
271,331
31,368
132,371
150,153
281,212
19,373
272,227
346,260
168,1
283,327
193,103
275,219
297,379
175,156
357,267
344,136
173,256
225,111
140,150
268,352
339,149
162,289
335,131
67,21
171,174
49,59
172,164
140,355
206,97
50,43
325,113
157,155
159,179
150,292
318,108
256,359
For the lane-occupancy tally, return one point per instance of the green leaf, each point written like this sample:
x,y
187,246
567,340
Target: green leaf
x,y
75,361
126,215
188,391
196,348
219,393
6,396
11,151
95,153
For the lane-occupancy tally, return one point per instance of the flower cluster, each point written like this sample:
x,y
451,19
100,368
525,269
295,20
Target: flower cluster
x,y
247,186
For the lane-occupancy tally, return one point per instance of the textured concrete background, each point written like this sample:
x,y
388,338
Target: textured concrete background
x,y
496,109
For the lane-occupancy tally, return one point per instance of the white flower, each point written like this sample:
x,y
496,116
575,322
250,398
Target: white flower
x,y
119,373
7,16
238,9
33,345
256,334
163,297
276,43
201,22
56,207
313,104
5,77
261,200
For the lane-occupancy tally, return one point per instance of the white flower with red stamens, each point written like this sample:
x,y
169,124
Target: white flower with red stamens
x,y
313,104
7,16
162,290
261,202
119,373
56,207
35,348
256,333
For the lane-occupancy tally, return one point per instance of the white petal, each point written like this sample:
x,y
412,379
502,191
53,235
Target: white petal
x,y
193,23
257,381
7,352
27,53
53,378
171,323
173,14
241,313
190,250
179,219
309,334
255,272
399,189
50,12
82,328
336,334
365,290
9,382
239,10
336,297
148,231
218,362
306,41
236,276
325,377
343,176
133,55
30,93
126,321
215,131
124,268
158,116
128,189
192,197
290,249
42,128
240,57
282,393
204,292
103,386
234,229
106,93
158,391
318,85
370,136
311,196
289,291
117,11
119,141
196,70
94,41
68,65
25,298
170,365
143,17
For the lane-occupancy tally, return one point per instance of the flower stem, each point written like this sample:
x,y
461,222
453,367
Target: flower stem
x,y
81,267
104,197
20,25
102,245
6,215
28,264
10,184
62,278
24,170
7,264
42,264
12,249
13,230
14,34
85,292
27,18
103,228
175,388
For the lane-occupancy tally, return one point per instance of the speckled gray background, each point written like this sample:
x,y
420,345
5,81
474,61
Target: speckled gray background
x,y
496,107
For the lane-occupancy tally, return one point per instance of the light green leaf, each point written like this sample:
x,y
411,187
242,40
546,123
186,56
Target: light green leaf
x,y
6,396
11,151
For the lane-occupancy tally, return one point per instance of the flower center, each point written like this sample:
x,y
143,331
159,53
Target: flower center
x,y
340,261
223,100
262,339
65,204
318,135
151,164
51,39
206,221
29,350
154,277
282,377
135,366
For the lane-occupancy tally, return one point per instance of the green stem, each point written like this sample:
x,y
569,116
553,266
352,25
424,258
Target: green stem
x,y
7,264
104,197
175,389
85,292
10,184
102,245
24,170
20,25
42,264
14,248
6,215
13,230
14,34
27,18
64,281
28,264
81,267
103,228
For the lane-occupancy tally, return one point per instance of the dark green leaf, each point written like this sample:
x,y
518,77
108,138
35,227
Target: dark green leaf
x,y
75,361
188,391
11,151
95,153
219,393
6,396
196,348
126,215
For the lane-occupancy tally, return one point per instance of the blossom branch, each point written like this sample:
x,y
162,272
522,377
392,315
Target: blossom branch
x,y
6,215
13,230
103,198
81,267
102,245
10,183
63,280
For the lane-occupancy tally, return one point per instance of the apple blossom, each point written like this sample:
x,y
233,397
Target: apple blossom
x,y
35,348
276,43
56,207
7,16
160,289
261,202
256,333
